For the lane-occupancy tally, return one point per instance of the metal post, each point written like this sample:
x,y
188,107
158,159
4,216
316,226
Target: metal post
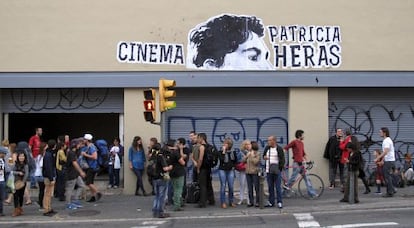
x,y
261,189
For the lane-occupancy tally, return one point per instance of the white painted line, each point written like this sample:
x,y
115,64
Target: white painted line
x,y
364,225
144,227
306,224
306,220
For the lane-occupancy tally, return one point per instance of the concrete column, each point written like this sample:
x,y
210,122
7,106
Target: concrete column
x,y
308,110
135,125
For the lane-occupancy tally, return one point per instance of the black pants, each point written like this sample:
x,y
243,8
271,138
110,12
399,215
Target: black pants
x,y
206,187
18,197
41,192
60,184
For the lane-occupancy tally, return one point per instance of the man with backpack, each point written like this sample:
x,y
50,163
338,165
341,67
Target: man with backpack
x,y
204,164
90,153
160,181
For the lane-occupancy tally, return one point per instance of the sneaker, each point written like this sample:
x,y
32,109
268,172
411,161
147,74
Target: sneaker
x,y
109,186
115,186
77,204
378,193
279,205
332,186
71,206
285,187
269,205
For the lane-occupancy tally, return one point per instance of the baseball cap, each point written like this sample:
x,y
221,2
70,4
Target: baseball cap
x,y
88,136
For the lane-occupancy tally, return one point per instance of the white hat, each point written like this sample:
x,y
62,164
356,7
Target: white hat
x,y
115,149
88,137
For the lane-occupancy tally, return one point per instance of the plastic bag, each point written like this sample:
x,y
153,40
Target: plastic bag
x,y
10,182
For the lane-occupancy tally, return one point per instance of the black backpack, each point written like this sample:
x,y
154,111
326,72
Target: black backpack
x,y
152,164
210,158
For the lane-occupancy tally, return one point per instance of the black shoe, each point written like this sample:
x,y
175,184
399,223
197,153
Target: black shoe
x,y
356,201
92,199
200,206
50,213
256,205
269,205
343,201
367,191
153,193
178,209
98,196
387,195
164,215
250,205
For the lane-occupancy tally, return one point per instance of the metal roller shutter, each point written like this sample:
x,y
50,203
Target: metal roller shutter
x,y
238,113
62,100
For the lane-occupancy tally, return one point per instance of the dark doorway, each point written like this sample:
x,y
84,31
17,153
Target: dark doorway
x,y
100,125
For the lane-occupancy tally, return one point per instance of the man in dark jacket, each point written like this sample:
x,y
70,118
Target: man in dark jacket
x,y
333,154
49,175
275,161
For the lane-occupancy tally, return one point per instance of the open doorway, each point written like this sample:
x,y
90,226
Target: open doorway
x,y
100,125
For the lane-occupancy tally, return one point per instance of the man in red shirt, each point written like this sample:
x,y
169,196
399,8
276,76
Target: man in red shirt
x,y
34,144
299,156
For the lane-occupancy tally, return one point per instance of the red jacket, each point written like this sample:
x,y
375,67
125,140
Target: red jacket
x,y
342,146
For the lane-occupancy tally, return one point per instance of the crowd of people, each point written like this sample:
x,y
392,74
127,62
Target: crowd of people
x,y
59,168
64,168
343,153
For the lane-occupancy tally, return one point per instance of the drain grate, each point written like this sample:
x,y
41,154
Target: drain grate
x,y
84,213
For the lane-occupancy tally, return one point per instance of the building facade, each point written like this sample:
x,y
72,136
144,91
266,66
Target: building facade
x,y
242,70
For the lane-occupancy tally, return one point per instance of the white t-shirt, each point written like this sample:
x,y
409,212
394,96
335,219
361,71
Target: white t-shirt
x,y
387,143
2,170
273,157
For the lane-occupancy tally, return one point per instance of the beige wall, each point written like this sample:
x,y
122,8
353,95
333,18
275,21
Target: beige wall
x,y
135,126
308,110
77,35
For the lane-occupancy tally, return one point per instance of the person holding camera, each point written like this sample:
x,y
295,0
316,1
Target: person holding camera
x,y
333,154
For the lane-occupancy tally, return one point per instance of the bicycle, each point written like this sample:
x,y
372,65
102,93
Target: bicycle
x,y
314,180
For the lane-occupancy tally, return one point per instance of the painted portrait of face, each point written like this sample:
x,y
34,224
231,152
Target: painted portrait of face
x,y
228,42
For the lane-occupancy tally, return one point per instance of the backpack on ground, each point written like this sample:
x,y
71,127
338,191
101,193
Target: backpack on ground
x,y
103,152
193,193
210,159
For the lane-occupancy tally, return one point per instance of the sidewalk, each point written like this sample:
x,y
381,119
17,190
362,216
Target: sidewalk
x,y
115,205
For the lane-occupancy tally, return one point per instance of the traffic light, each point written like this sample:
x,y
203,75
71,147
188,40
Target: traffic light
x,y
149,105
165,94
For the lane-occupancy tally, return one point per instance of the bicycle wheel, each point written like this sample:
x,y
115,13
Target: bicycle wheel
x,y
317,187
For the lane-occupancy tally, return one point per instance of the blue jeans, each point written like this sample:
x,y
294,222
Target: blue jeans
x,y
388,170
114,176
160,188
226,177
300,169
274,181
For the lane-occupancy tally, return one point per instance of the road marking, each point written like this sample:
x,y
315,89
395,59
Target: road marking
x,y
364,225
306,220
144,227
